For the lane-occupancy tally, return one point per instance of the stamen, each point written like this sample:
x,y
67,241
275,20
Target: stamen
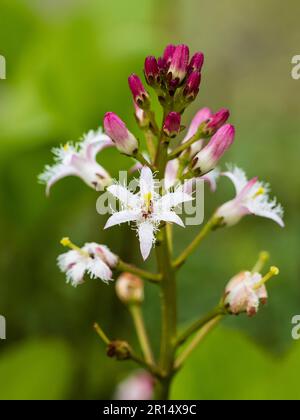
x,y
67,242
260,191
274,271
66,147
148,199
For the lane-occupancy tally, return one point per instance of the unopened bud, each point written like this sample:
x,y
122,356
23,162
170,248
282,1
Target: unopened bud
x,y
179,64
209,156
216,121
116,129
139,93
172,124
130,289
191,88
119,349
196,62
151,71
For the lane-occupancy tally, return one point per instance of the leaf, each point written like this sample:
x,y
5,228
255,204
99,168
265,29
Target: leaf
x,y
229,366
36,370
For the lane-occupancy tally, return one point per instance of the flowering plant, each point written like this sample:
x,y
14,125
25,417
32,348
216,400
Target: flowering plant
x,y
169,173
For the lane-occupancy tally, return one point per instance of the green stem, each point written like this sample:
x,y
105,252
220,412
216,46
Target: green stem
x,y
202,333
150,143
212,223
176,152
169,314
123,266
199,324
138,320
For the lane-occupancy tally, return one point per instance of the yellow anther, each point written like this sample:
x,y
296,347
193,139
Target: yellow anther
x,y
65,241
148,199
260,191
66,147
274,271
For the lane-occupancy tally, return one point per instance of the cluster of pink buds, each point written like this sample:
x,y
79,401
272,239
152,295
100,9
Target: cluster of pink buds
x,y
174,73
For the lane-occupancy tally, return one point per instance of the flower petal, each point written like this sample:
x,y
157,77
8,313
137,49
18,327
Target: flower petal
x,y
98,269
126,197
171,217
146,238
237,176
146,181
171,200
54,173
121,217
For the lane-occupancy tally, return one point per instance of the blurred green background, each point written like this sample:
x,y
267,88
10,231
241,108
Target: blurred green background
x,y
67,64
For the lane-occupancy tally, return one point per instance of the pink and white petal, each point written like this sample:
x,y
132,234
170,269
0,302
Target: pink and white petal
x,y
76,273
146,238
94,142
126,197
170,217
119,217
98,269
212,177
67,259
272,214
146,181
54,173
237,177
107,256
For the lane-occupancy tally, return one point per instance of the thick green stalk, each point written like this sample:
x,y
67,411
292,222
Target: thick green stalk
x,y
169,314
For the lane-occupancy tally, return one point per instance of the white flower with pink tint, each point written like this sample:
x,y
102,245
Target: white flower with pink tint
x,y
246,291
147,209
251,198
138,386
79,159
94,259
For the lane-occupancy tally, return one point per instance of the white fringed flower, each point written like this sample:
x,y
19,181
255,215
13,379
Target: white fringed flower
x,y
251,198
146,209
246,291
79,159
94,259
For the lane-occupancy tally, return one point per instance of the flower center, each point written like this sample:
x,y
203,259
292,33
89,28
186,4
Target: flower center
x,y
148,202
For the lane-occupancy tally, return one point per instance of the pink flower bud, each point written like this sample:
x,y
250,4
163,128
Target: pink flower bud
x,y
179,64
172,124
196,62
191,88
138,91
217,120
138,386
201,116
116,129
130,289
168,54
151,70
208,157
